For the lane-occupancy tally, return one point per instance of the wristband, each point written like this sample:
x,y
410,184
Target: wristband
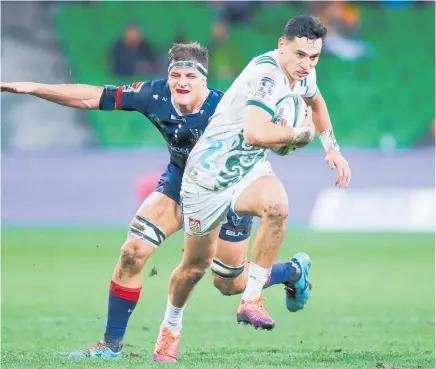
x,y
328,140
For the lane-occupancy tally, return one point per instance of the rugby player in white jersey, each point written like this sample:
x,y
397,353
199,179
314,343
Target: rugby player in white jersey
x,y
227,170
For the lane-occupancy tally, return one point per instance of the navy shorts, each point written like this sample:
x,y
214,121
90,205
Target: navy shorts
x,y
236,229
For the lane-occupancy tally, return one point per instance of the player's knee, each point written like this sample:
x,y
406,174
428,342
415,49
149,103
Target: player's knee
x,y
135,253
144,237
227,287
226,277
223,286
194,273
276,212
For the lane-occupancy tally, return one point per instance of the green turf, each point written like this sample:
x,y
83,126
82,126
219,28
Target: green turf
x,y
373,302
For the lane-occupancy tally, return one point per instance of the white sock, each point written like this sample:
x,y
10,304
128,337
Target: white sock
x,y
173,318
257,277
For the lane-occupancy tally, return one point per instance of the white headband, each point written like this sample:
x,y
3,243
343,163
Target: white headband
x,y
189,64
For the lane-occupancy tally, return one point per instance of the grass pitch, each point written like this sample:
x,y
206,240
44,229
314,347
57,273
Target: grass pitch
x,y
372,304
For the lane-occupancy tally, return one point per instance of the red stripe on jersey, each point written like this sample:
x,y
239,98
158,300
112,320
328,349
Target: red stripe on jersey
x,y
118,98
126,293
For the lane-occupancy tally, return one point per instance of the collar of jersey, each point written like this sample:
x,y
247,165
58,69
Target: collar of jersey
x,y
276,58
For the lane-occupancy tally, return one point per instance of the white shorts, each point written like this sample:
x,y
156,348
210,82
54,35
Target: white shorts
x,y
203,210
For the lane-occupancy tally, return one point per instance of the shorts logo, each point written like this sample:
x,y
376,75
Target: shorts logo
x,y
194,225
234,233
236,220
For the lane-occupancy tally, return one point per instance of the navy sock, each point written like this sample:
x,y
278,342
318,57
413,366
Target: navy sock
x,y
122,302
283,272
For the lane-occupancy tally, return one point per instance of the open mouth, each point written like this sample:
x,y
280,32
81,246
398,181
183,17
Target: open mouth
x,y
183,92
302,74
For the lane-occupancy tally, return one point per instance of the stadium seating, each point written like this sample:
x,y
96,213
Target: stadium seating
x,y
389,93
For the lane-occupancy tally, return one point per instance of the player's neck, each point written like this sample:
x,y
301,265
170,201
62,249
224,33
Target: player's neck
x,y
290,79
194,106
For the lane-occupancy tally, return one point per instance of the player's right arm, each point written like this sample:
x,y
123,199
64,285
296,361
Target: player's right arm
x,y
74,95
264,90
260,131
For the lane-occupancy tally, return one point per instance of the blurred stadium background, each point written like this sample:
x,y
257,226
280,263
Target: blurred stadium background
x,y
71,181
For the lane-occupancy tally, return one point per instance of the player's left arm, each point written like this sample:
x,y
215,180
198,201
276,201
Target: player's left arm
x,y
324,129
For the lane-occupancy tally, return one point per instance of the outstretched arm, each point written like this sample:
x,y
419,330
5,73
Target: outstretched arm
x,y
73,96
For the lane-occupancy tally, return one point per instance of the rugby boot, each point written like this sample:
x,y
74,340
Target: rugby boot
x,y
253,312
167,347
298,292
99,350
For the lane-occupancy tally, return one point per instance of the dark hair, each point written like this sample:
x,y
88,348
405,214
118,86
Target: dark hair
x,y
304,26
192,51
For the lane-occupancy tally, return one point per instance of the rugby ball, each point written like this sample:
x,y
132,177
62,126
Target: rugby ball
x,y
290,111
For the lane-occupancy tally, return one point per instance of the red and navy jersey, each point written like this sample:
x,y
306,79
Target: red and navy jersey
x,y
153,99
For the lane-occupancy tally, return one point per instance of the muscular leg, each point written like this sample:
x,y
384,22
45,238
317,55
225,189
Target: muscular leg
x,y
157,218
161,211
266,198
232,258
197,258
230,268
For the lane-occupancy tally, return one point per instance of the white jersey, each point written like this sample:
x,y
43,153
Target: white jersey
x,y
221,157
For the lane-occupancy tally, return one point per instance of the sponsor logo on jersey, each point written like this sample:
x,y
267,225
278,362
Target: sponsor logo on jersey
x,y
194,225
266,87
134,87
179,150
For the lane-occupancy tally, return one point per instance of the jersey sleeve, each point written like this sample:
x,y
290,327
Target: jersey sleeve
x,y
266,86
134,97
311,86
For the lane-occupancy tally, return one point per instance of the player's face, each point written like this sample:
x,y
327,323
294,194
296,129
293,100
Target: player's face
x,y
187,86
299,56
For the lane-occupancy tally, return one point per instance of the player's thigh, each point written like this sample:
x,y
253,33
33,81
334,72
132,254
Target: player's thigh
x,y
199,250
203,210
233,239
230,253
162,211
264,194
157,218
229,261
162,207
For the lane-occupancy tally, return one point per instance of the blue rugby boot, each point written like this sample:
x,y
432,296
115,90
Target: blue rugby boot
x,y
99,350
297,292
